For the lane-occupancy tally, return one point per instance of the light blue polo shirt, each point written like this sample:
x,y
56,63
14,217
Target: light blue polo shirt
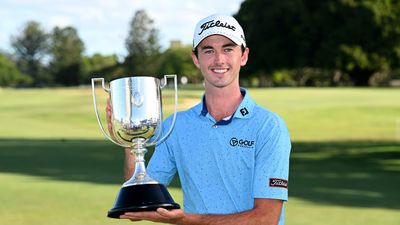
x,y
224,165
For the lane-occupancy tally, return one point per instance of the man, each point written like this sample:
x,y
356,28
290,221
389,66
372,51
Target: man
x,y
232,156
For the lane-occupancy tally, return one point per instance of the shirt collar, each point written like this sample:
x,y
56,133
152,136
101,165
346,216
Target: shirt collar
x,y
244,110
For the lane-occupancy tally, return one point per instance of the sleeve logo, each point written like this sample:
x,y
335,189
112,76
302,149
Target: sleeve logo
x,y
277,182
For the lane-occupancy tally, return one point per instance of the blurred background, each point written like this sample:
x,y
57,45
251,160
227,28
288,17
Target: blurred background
x,y
330,68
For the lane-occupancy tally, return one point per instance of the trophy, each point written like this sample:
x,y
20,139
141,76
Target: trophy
x,y
136,121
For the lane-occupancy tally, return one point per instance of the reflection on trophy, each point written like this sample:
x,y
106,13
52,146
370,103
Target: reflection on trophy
x,y
137,123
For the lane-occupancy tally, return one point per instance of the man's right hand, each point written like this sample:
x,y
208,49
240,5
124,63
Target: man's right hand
x,y
108,117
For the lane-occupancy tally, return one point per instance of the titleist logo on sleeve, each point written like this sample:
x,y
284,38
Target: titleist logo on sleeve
x,y
276,182
211,23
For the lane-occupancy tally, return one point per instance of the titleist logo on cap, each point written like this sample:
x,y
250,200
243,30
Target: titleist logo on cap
x,y
211,23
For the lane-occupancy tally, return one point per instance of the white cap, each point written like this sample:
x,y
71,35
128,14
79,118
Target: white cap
x,y
219,24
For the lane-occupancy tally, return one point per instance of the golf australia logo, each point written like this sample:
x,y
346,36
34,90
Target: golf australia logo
x,y
234,142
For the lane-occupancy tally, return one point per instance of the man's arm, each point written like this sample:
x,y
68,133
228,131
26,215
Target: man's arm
x,y
265,212
129,158
129,164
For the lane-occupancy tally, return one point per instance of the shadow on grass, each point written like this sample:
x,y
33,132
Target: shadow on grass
x,y
363,174
93,161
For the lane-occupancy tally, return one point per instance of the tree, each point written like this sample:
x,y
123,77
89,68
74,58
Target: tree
x,y
10,75
142,45
66,56
177,60
30,47
97,65
357,37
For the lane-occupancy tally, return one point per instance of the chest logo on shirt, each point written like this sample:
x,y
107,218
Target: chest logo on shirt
x,y
241,143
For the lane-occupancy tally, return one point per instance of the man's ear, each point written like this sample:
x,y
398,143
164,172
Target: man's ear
x,y
195,60
245,57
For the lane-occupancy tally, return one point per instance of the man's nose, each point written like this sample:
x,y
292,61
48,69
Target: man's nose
x,y
219,58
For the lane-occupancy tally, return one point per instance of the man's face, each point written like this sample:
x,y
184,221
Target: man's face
x,y
219,60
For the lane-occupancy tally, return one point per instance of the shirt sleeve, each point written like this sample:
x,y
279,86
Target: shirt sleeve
x,y
272,161
162,165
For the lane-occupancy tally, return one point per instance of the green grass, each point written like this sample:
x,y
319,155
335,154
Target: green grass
x,y
352,182
314,114
323,114
60,181
57,168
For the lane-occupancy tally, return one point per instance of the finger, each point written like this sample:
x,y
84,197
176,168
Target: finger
x,y
108,107
142,215
163,212
172,214
130,218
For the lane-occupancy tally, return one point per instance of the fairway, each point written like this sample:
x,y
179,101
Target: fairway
x,y
57,168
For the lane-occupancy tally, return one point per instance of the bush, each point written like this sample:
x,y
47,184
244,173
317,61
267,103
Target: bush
x,y
10,75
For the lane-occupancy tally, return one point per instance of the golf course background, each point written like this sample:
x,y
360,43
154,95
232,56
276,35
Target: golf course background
x,y
57,168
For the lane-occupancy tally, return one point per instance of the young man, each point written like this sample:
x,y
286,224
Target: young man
x,y
232,156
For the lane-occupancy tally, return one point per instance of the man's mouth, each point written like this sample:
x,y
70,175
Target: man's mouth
x,y
219,70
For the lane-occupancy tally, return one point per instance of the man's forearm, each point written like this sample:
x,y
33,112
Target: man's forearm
x,y
129,164
265,212
245,218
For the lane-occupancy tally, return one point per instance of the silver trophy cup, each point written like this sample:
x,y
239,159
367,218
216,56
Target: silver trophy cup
x,y
136,122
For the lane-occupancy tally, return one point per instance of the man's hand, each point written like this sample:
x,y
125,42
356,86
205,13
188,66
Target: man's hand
x,y
265,212
161,215
108,116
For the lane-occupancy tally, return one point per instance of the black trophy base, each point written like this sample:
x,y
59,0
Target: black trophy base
x,y
143,197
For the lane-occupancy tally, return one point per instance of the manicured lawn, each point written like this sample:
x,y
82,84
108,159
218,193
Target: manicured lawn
x,y
57,168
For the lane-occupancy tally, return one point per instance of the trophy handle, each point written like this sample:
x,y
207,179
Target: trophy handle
x,y
163,84
96,110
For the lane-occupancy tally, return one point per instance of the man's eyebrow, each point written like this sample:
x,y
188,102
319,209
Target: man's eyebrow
x,y
206,47
229,45
223,46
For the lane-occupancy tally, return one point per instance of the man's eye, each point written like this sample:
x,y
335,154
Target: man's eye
x,y
228,49
208,51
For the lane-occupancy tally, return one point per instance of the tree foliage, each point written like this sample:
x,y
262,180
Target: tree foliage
x,y
66,56
356,37
106,66
10,75
177,60
30,47
142,44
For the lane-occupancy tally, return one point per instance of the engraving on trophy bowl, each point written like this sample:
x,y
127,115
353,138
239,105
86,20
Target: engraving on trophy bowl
x,y
137,99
